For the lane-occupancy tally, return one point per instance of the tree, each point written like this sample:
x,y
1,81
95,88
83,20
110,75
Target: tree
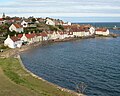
x,y
61,27
53,28
33,20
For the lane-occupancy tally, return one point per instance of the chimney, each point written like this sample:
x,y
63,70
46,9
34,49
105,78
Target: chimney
x,y
8,36
24,34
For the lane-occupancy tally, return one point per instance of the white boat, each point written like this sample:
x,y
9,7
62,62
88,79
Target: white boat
x,y
115,27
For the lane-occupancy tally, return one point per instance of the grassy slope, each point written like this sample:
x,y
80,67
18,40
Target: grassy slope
x,y
21,83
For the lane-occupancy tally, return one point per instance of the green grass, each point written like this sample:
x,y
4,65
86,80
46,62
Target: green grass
x,y
17,82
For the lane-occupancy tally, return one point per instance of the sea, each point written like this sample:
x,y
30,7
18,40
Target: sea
x,y
91,66
110,25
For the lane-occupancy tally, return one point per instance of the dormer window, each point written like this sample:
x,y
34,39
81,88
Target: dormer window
x,y
24,24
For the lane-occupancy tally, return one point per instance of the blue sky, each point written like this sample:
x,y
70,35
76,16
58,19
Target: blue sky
x,y
86,10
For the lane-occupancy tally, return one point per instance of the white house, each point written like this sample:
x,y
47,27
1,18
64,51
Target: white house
x,y
50,22
70,34
16,27
67,23
24,24
38,37
61,35
44,36
12,42
2,21
82,31
79,33
24,38
66,35
92,30
30,38
54,35
102,31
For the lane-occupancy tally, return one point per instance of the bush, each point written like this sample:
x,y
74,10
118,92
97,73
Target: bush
x,y
3,47
53,28
60,27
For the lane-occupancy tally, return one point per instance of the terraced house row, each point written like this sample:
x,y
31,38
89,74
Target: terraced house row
x,y
70,32
47,29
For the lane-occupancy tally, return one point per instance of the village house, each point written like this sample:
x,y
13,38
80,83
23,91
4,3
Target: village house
x,y
61,35
13,42
92,30
16,28
41,20
67,28
70,34
55,35
77,31
58,22
17,19
24,24
102,31
38,37
66,34
31,24
67,24
52,35
2,21
44,36
82,30
10,21
29,38
50,22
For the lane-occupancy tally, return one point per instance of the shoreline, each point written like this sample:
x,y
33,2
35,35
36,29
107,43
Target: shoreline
x,y
38,77
15,53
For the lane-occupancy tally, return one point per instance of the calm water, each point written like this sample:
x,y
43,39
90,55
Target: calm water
x,y
96,62
105,24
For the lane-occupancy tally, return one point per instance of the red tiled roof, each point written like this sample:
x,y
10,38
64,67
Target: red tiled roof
x,y
61,33
43,34
50,32
30,35
14,38
20,35
102,29
1,19
83,28
38,34
17,25
17,19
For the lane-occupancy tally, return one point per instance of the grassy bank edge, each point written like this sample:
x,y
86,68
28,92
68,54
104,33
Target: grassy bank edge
x,y
14,69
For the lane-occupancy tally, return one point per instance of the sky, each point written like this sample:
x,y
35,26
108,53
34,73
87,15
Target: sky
x,y
68,10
